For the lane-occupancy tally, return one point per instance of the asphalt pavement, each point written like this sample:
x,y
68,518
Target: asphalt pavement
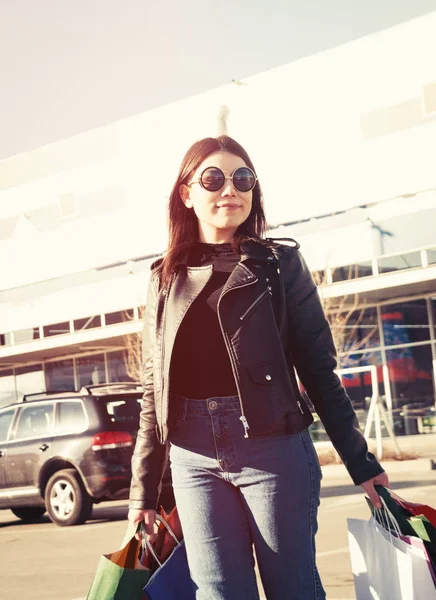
x,y
43,561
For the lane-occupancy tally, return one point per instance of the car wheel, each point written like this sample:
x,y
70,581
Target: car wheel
x,y
66,499
29,513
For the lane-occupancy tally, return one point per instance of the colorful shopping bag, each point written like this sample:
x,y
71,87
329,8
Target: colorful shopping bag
x,y
409,524
120,575
171,580
165,542
385,566
416,509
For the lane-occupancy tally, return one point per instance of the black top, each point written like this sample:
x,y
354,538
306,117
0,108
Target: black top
x,y
200,364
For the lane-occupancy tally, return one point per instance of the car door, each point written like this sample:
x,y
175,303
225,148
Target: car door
x,y
6,420
29,447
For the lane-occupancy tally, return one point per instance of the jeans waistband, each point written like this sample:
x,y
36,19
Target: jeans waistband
x,y
207,406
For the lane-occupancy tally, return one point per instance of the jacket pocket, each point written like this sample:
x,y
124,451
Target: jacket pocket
x,y
264,373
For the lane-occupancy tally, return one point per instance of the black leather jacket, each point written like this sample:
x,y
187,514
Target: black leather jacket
x,y
272,321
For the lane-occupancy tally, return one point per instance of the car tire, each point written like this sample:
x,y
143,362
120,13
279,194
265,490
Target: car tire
x,y
29,513
66,499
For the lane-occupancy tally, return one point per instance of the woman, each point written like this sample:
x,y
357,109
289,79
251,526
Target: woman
x,y
228,317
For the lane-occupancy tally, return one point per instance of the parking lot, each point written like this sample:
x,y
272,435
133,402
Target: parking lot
x,y
42,561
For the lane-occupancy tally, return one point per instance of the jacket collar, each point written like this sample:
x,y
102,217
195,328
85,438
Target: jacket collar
x,y
250,250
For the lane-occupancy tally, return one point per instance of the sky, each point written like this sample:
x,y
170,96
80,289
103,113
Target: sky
x,y
68,66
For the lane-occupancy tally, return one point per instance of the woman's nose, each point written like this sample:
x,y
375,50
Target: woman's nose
x,y
228,189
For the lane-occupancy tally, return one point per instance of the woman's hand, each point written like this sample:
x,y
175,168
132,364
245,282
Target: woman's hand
x,y
368,486
148,516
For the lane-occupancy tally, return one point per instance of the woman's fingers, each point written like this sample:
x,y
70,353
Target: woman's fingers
x,y
148,518
369,488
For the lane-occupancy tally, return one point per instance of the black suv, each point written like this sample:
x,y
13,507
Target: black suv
x,y
62,452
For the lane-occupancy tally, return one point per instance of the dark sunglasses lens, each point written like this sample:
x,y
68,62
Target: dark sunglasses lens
x,y
244,179
212,179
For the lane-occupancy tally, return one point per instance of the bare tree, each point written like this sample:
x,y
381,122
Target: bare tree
x,y
346,316
132,354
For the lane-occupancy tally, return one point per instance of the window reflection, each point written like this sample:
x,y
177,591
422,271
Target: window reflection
x,y
405,322
117,366
59,375
7,387
91,369
29,380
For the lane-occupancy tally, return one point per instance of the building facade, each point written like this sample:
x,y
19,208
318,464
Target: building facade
x,y
343,143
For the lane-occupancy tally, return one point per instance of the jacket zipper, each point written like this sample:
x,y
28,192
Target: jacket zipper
x,y
299,406
256,302
242,418
164,314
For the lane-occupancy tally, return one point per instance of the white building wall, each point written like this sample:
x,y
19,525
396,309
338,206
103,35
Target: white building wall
x,y
302,124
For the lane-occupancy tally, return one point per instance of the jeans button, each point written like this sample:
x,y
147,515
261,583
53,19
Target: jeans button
x,y
213,405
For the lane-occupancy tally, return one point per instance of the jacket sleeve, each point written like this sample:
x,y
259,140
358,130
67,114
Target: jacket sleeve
x,y
149,457
314,356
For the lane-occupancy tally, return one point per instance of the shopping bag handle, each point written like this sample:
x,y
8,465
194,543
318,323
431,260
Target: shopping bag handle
x,y
146,544
387,519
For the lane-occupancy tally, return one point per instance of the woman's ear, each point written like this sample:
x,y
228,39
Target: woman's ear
x,y
184,192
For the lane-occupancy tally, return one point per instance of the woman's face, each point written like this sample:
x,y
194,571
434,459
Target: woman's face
x,y
219,213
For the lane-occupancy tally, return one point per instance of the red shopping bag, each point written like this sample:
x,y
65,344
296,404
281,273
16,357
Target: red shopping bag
x,y
164,543
415,508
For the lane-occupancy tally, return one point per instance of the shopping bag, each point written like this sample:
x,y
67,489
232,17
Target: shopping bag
x,y
425,530
416,509
165,542
408,524
120,574
171,580
418,543
386,567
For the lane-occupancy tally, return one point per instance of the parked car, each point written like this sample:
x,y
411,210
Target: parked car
x,y
63,452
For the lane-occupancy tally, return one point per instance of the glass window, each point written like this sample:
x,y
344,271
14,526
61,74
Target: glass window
x,y
411,380
405,322
409,260
359,385
29,380
59,375
26,335
8,393
363,269
354,330
117,365
433,309
35,421
431,256
91,369
88,323
125,411
56,329
70,417
6,419
5,339
119,316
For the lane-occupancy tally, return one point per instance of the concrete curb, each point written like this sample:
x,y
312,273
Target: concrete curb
x,y
417,465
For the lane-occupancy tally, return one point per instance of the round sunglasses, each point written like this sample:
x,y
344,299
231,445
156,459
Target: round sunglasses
x,y
213,179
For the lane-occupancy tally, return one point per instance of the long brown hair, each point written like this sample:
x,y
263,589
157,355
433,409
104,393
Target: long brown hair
x,y
183,223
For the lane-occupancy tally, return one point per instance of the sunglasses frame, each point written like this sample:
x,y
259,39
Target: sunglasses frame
x,y
231,177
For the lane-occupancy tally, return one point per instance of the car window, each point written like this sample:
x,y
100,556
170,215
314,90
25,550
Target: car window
x,y
124,411
6,419
35,421
71,417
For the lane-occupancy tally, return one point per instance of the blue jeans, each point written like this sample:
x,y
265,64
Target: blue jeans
x,y
234,493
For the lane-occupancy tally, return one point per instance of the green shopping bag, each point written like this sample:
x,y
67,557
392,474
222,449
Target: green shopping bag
x,y
417,526
120,575
427,532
